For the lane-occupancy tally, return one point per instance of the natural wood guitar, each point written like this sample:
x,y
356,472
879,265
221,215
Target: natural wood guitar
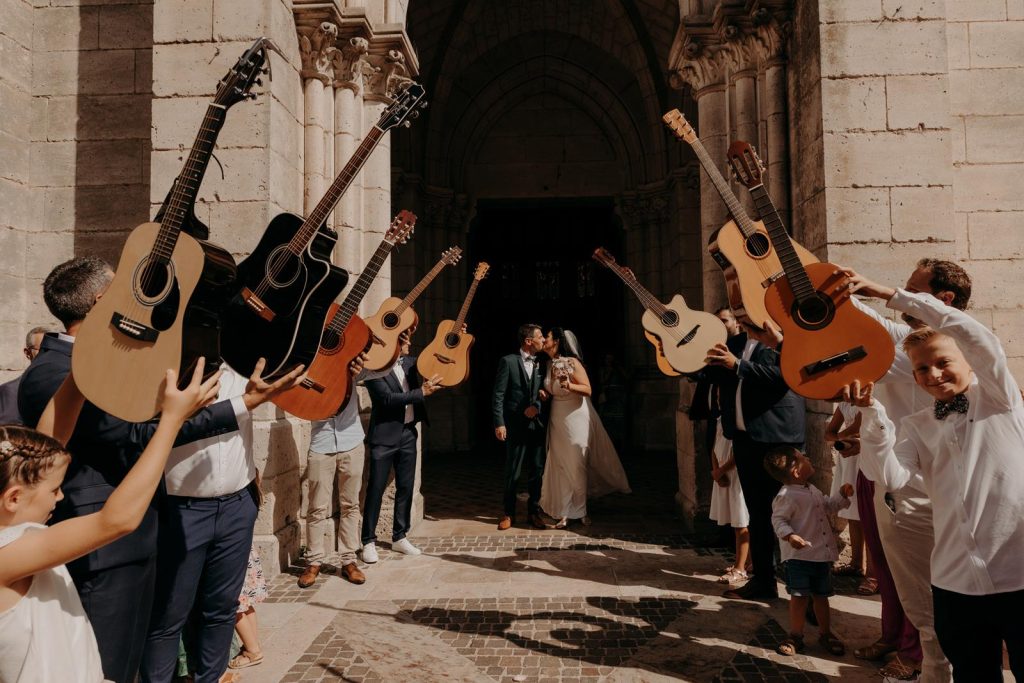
x,y
163,308
447,356
396,316
827,341
681,336
326,385
288,282
741,247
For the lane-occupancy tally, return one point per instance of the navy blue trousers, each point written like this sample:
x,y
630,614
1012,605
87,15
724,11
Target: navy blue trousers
x,y
203,556
382,458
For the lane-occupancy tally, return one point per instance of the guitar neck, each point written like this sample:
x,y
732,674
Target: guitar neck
x,y
186,185
728,196
418,289
355,296
649,301
464,311
783,244
318,216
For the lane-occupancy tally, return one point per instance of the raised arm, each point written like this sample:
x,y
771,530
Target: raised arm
x,y
883,460
61,413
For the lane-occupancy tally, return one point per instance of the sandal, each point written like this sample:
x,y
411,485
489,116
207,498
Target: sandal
x,y
792,645
898,670
867,586
245,659
875,650
732,576
846,570
561,524
832,645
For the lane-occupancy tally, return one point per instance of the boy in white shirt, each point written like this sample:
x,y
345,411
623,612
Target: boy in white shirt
x,y
800,519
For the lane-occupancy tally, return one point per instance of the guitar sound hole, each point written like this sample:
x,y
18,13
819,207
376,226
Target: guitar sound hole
x,y
758,245
330,342
451,340
669,318
390,321
153,281
815,312
282,267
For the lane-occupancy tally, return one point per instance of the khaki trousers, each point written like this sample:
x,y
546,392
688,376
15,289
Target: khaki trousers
x,y
326,472
908,538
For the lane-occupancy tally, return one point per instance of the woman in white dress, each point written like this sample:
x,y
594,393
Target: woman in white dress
x,y
581,460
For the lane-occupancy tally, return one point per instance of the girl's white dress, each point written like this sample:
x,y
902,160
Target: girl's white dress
x,y
46,635
581,459
845,470
727,504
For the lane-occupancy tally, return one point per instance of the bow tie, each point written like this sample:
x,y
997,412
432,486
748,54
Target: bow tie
x,y
959,404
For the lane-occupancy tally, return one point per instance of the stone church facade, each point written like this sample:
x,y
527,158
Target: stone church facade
x,y
890,131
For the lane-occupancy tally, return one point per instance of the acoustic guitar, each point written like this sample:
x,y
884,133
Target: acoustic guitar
x,y
327,385
827,341
447,356
681,336
395,316
741,247
162,309
288,282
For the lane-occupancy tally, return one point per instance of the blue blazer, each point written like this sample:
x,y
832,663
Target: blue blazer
x,y
388,402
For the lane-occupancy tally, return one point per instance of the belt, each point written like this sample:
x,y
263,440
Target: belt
x,y
220,499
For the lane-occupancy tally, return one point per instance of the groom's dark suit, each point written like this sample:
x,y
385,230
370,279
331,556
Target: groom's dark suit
x,y
514,392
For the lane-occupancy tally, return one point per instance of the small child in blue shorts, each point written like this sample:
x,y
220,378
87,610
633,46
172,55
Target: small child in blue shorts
x,y
800,519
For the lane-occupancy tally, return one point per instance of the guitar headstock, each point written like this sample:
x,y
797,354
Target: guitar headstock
x,y
406,107
401,228
481,270
245,74
451,256
745,164
678,124
605,258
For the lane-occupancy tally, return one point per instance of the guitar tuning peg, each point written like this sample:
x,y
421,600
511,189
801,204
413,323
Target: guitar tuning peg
x,y
423,104
407,124
415,115
251,95
258,81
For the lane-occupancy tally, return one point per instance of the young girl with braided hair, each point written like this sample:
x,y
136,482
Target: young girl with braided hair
x,y
44,632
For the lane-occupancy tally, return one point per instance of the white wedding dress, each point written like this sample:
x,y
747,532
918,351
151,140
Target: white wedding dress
x,y
581,459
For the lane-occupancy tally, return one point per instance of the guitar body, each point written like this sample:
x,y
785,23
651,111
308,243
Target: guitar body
x,y
385,327
282,299
135,333
685,335
828,343
749,266
447,355
659,356
327,386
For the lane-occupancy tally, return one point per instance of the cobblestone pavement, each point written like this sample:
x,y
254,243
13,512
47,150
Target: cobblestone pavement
x,y
629,598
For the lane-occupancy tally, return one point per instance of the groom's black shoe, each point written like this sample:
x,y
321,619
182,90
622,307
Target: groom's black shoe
x,y
536,522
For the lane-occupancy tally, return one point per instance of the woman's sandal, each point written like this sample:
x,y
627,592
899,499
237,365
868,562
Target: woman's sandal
x,y
833,645
733,576
875,650
245,659
561,524
792,645
867,586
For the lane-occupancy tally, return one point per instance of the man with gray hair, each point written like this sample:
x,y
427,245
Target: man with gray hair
x,y
9,414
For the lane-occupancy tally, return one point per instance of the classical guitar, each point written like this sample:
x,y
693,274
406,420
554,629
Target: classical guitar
x,y
827,341
288,282
741,247
396,316
162,309
327,385
448,354
681,336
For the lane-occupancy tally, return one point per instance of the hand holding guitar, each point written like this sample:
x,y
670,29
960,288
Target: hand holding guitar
x,y
258,391
769,335
720,355
857,395
432,385
858,284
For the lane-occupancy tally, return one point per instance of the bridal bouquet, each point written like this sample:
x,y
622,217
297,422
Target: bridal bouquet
x,y
561,369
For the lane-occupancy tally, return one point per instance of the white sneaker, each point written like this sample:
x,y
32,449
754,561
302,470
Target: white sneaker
x,y
405,547
370,553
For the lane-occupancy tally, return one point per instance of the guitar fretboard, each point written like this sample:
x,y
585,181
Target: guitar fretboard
x,y
418,289
783,243
728,196
355,296
649,301
464,311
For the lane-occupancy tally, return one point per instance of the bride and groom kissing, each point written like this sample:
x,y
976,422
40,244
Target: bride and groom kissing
x,y
543,413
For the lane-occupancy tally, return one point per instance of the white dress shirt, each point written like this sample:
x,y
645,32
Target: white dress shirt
x,y
217,465
410,414
802,509
972,465
528,363
344,431
748,351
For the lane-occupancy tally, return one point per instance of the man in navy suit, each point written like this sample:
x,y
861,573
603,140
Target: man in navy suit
x,y
9,414
397,407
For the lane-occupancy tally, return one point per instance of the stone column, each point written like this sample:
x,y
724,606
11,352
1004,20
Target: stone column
x,y
316,47
744,106
776,147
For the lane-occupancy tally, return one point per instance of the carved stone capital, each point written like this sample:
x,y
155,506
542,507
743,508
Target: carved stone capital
x,y
352,67
316,48
391,72
638,208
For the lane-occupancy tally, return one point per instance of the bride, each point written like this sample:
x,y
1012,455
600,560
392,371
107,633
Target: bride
x,y
581,459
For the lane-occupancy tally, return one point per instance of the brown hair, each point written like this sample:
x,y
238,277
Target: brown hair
x,y
948,277
26,456
918,337
779,461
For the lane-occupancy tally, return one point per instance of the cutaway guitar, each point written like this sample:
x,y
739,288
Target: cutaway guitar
x,y
162,310
326,385
741,247
680,335
447,356
827,341
395,316
288,282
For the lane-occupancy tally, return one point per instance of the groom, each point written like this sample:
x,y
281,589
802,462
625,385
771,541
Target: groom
x,y
518,422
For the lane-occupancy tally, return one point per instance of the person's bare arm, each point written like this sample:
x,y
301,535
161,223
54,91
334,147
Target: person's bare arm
x,y
578,380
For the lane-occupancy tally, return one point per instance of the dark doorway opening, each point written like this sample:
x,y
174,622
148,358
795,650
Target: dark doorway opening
x,y
542,272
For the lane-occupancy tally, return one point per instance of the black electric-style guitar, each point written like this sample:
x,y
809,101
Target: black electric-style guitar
x,y
288,282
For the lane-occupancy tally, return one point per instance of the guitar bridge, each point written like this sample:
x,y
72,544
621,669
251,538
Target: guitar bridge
x,y
133,329
688,337
772,278
848,356
307,383
444,359
257,305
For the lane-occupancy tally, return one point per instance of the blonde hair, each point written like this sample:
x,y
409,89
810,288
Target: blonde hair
x,y
26,456
919,337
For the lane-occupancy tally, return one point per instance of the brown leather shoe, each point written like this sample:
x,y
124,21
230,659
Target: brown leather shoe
x,y
505,523
308,577
537,522
351,572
